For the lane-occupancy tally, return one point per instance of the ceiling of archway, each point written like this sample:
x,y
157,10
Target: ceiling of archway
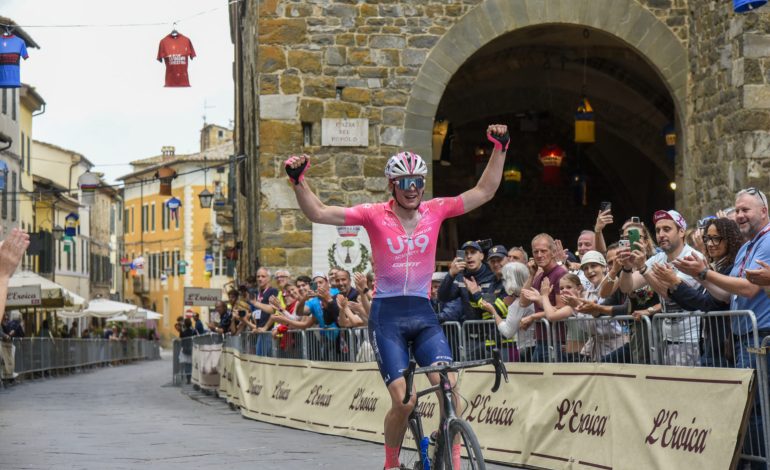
x,y
540,71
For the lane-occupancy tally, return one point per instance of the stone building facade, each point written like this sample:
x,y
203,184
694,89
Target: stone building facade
x,y
403,65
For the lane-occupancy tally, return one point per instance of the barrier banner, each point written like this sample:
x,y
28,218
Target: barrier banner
x,y
604,416
205,371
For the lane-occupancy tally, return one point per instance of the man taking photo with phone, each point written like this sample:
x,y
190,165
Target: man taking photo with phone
x,y
471,280
681,336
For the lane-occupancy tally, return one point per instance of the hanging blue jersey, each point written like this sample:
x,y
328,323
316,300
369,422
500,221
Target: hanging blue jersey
x,y
12,50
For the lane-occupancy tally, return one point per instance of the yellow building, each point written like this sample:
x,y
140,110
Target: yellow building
x,y
174,248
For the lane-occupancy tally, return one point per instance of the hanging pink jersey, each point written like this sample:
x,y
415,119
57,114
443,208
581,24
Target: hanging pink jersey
x,y
175,50
403,265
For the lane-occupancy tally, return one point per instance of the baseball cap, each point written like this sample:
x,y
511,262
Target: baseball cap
x,y
670,215
320,274
471,244
497,251
593,257
438,276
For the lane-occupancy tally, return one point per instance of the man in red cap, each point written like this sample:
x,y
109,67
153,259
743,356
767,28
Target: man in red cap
x,y
680,335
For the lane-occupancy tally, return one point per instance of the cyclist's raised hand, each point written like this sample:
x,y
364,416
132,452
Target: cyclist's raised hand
x,y
296,166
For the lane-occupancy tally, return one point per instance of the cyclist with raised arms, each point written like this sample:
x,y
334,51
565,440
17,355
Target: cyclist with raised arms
x,y
404,233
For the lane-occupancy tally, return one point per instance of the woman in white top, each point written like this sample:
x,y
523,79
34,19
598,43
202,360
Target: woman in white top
x,y
514,276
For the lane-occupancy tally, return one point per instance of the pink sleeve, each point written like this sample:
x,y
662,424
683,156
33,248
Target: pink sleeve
x,y
355,215
450,206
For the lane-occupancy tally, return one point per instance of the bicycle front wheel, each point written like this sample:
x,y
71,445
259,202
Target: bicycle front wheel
x,y
410,447
460,434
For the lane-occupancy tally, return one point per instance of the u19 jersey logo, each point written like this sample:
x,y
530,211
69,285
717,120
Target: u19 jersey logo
x,y
420,241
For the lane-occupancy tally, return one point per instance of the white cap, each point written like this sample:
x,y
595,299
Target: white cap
x,y
320,274
438,276
593,257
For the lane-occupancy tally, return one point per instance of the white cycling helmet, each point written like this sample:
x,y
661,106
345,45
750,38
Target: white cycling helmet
x,y
405,164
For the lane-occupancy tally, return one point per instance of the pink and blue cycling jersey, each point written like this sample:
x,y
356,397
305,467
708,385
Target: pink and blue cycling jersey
x,y
403,265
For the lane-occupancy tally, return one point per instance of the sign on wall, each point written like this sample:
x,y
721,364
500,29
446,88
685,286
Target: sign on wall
x,y
345,132
347,247
197,297
24,296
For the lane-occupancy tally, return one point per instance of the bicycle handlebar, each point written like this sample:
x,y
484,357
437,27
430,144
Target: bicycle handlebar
x,y
495,360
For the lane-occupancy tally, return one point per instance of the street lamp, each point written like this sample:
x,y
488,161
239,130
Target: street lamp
x,y
205,196
58,232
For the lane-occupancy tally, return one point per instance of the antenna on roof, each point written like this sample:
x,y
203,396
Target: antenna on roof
x,y
205,107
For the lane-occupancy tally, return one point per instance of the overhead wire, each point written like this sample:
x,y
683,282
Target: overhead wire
x,y
122,25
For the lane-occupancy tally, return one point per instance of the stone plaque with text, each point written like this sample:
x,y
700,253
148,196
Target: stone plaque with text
x,y
345,132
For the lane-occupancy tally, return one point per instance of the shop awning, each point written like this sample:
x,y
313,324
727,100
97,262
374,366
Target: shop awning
x,y
52,295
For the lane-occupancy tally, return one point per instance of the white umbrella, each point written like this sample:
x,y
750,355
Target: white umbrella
x,y
145,314
104,308
123,317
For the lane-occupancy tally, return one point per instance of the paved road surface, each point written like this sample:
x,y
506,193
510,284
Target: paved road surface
x,y
129,417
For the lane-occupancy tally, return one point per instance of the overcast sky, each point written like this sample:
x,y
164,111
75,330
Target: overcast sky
x,y
103,87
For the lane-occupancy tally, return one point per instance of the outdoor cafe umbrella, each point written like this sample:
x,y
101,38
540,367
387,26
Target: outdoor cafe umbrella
x,y
104,308
123,318
145,314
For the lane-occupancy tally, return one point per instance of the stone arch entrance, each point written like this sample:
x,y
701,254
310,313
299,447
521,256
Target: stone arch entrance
x,y
498,29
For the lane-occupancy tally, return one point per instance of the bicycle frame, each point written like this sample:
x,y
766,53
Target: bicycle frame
x,y
448,411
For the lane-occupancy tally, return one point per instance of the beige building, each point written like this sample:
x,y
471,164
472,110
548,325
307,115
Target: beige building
x,y
105,238
55,173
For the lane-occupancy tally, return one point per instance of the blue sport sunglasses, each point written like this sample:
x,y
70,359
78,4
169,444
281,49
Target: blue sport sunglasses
x,y
405,183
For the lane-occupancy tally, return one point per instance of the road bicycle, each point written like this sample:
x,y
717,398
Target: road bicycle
x,y
415,453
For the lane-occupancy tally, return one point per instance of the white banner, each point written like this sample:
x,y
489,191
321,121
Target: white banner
x,y
560,416
24,296
347,247
198,297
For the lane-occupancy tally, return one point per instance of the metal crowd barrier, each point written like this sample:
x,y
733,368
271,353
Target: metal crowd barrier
x,y
178,371
694,339
46,355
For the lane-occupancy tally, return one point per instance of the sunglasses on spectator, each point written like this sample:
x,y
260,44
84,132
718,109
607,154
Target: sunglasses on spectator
x,y
755,192
405,183
712,240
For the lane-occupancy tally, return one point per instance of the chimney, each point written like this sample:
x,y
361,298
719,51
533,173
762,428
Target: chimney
x,y
167,151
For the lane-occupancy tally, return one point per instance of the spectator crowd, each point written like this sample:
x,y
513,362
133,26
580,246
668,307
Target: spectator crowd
x,y
543,302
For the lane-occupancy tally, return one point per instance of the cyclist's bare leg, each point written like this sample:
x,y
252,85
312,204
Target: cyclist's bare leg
x,y
397,417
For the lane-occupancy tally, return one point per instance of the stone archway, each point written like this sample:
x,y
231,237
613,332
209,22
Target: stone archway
x,y
629,21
